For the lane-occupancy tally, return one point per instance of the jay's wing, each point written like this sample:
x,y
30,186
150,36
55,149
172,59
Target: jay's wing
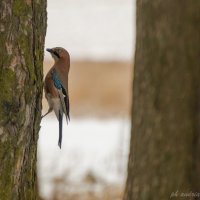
x,y
66,103
64,98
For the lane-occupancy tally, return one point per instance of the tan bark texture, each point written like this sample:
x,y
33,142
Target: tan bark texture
x,y
164,151
22,34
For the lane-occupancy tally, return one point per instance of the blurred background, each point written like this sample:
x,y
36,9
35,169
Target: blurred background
x,y
100,37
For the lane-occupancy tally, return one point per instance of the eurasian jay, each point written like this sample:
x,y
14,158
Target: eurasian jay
x,y
56,86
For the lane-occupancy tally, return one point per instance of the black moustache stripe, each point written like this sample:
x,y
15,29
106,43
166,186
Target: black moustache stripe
x,y
56,54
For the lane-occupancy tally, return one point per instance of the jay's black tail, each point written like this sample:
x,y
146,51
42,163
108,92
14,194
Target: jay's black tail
x,y
60,129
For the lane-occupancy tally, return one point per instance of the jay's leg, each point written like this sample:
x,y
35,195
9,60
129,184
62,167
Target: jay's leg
x,y
50,110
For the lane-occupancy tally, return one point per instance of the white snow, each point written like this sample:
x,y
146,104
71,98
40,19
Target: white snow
x,y
92,146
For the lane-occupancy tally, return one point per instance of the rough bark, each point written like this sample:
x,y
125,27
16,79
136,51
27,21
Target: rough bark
x,y
164,151
22,33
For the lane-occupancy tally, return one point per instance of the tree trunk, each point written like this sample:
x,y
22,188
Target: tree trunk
x,y
164,152
22,33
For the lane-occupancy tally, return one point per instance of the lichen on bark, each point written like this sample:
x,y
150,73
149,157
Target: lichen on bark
x,y
22,34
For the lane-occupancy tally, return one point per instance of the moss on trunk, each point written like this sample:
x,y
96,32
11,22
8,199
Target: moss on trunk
x,y
22,34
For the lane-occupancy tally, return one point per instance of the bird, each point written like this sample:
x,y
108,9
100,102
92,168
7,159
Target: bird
x,y
56,87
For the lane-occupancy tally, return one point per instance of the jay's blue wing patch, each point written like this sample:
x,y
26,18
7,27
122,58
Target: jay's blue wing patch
x,y
56,80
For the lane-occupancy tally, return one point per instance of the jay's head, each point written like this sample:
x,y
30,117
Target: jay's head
x,y
58,53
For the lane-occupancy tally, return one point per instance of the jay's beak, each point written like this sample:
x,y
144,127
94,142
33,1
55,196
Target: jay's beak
x,y
49,50
53,52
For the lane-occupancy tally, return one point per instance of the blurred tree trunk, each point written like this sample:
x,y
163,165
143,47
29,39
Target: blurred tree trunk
x,y
165,143
22,33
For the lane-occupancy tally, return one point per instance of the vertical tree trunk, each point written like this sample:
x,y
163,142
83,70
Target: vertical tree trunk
x,y
22,33
164,153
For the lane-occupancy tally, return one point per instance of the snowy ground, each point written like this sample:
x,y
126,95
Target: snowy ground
x,y
90,147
